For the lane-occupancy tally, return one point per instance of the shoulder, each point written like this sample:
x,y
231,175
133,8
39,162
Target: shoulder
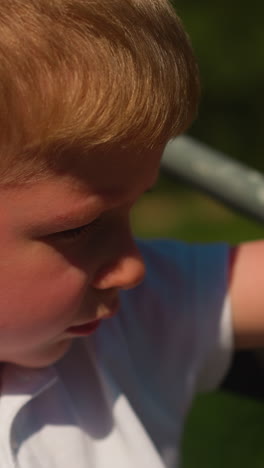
x,y
178,310
190,261
183,282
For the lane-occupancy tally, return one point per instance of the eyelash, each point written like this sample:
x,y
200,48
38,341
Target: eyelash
x,y
73,234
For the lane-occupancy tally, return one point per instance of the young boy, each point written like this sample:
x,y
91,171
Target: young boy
x,y
90,92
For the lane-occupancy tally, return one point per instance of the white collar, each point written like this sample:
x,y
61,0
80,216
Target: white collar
x,y
19,386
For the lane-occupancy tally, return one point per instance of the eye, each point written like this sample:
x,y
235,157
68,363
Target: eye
x,y
73,234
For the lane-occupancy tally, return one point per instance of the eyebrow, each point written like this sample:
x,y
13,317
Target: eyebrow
x,y
71,219
63,221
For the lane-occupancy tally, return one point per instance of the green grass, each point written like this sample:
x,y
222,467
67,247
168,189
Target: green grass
x,y
192,217
222,431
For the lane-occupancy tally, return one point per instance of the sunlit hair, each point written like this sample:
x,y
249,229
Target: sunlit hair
x,y
89,74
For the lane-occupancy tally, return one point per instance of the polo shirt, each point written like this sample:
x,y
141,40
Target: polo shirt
x,y
119,398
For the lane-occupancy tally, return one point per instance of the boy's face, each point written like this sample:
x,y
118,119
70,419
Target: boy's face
x,y
51,281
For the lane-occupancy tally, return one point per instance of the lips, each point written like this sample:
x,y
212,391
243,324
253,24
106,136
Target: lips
x,y
90,327
85,329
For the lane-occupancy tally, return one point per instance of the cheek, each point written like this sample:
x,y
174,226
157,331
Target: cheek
x,y
57,300
44,292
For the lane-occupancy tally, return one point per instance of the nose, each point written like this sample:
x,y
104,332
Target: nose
x,y
126,271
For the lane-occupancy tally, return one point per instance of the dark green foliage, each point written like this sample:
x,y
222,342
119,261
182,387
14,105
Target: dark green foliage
x,y
228,38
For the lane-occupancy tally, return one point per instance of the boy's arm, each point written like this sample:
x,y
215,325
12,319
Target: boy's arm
x,y
246,283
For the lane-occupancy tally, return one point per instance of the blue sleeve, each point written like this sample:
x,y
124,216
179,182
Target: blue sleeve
x,y
177,322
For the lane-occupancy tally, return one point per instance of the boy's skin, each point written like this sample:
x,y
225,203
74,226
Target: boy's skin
x,y
49,283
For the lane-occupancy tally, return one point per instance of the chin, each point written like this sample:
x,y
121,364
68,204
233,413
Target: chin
x,y
47,357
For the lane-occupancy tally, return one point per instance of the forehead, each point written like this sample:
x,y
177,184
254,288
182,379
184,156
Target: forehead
x,y
81,188
109,170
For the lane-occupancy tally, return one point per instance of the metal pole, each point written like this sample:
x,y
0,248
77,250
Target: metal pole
x,y
234,184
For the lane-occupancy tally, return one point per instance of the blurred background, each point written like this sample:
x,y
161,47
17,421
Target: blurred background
x,y
223,430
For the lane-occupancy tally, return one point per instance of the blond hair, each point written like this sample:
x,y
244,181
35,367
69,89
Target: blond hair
x,y
90,74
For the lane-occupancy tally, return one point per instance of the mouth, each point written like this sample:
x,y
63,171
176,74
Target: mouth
x,y
90,327
83,330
